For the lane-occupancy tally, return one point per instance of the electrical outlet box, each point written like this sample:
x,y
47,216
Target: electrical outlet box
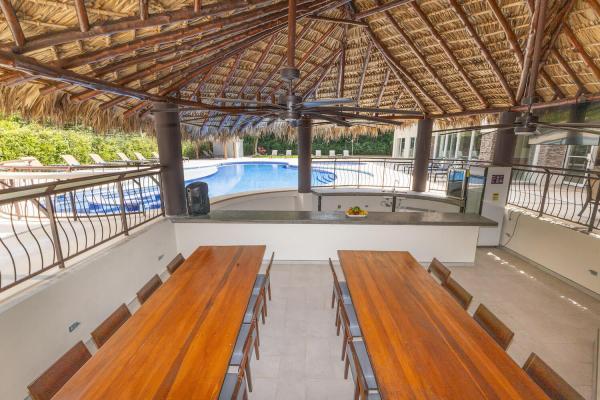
x,y
74,326
593,272
161,257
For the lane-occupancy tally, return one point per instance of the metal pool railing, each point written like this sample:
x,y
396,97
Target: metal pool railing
x,y
44,225
570,195
383,173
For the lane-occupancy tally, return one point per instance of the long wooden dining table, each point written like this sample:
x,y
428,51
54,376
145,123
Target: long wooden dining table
x,y
421,343
178,344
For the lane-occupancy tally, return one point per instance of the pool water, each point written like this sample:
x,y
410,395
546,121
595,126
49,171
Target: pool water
x,y
250,176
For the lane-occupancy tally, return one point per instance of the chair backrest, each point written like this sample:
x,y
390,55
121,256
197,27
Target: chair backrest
x,y
331,153
54,378
139,156
110,325
97,159
175,263
150,287
70,160
336,282
123,156
548,380
346,153
463,297
318,153
494,326
439,270
274,152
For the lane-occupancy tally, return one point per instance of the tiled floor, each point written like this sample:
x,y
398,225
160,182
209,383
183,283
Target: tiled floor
x,y
301,354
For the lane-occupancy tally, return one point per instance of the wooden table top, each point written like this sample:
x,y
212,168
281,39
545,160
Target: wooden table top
x,y
178,344
421,343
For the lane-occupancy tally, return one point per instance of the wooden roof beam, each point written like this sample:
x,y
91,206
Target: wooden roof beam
x,y
363,72
259,63
328,66
82,16
143,6
537,49
336,54
581,51
337,20
342,66
13,22
532,50
572,75
397,69
382,90
133,23
381,8
485,52
449,53
422,59
595,5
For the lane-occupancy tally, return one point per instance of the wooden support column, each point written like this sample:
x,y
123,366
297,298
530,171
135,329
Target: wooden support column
x,y
422,151
304,155
168,135
505,140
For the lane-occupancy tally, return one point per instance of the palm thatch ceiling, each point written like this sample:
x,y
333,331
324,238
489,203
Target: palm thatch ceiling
x,y
106,60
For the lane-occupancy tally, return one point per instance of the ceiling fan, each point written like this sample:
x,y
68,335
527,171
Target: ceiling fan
x,y
292,107
528,124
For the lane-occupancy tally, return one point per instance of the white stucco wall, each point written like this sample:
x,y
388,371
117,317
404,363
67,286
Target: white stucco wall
x,y
34,324
318,242
560,249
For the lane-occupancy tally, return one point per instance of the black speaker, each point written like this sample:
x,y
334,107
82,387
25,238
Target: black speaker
x,y
198,201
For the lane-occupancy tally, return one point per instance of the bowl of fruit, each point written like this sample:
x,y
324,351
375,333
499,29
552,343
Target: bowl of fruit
x,y
356,212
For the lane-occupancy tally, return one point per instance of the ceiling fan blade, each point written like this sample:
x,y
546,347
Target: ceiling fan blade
x,y
577,130
369,110
363,118
326,102
572,124
474,128
334,120
241,101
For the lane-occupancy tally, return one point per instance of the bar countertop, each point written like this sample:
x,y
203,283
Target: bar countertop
x,y
339,217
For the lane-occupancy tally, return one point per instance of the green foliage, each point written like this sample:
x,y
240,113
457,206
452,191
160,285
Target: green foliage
x,y
380,145
20,138
193,149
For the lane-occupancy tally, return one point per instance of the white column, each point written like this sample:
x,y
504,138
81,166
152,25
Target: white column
x,y
458,140
436,139
471,145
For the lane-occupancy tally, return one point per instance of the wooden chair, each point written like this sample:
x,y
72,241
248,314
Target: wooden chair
x,y
234,387
549,381
439,270
110,325
463,297
175,263
340,292
150,287
54,378
357,359
493,326
346,318
262,284
242,351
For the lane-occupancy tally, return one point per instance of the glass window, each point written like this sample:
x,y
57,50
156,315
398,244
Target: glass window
x,y
411,149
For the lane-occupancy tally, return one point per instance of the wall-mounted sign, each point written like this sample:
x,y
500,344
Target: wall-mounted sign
x,y
497,179
495,196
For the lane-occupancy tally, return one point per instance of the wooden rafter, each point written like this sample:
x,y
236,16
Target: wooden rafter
x,y
342,65
484,51
532,50
259,63
581,51
382,89
13,22
572,75
381,8
327,65
82,16
337,20
401,74
449,53
363,72
421,58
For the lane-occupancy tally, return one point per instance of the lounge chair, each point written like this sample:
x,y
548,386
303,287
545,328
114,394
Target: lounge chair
x,y
31,161
70,160
317,153
346,153
331,153
273,153
97,159
140,156
288,153
123,157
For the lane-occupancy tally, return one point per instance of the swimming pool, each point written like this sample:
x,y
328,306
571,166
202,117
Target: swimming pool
x,y
240,177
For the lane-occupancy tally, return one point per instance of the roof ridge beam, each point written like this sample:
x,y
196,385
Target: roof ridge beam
x,y
13,22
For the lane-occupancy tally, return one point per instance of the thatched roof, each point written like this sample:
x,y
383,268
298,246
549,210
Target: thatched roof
x,y
105,61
